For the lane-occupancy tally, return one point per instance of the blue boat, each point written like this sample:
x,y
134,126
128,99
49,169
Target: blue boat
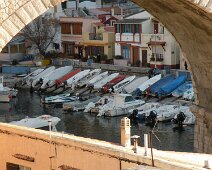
x,y
162,82
170,87
182,89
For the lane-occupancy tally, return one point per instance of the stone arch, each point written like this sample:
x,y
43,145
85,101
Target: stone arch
x,y
189,21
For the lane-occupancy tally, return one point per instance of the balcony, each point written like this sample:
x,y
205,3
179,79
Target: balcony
x,y
93,36
98,38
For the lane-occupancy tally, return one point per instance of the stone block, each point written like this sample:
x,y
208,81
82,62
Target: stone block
x,y
31,11
23,15
17,21
39,6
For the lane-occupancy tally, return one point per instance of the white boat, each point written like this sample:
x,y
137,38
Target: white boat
x,y
40,122
143,111
42,75
84,81
164,113
189,95
93,107
78,105
49,80
6,93
98,78
5,98
27,79
184,115
149,82
118,87
57,99
74,80
134,84
121,104
102,82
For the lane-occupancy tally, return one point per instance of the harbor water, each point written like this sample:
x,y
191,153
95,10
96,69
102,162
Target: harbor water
x,y
90,126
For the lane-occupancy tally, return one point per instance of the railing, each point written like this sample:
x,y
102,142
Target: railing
x,y
93,36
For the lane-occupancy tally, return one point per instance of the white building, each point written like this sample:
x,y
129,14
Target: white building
x,y
140,37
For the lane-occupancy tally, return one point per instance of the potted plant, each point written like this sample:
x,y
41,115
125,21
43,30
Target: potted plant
x,y
103,58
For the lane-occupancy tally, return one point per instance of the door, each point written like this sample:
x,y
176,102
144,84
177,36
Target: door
x,y
144,58
136,58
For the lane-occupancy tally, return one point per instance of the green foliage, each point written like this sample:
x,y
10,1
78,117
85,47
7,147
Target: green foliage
x,y
104,57
118,57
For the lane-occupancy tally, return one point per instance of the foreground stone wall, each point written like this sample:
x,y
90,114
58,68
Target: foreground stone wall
x,y
203,130
39,150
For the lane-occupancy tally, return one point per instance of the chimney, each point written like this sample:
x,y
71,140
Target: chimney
x,y
112,11
121,12
77,4
125,132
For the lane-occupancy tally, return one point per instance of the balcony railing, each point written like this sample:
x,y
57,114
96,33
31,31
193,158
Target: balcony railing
x,y
93,36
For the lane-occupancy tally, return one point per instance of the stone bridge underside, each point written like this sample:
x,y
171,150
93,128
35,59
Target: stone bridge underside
x,y
189,21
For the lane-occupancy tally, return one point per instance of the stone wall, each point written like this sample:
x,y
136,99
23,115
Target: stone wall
x,y
203,130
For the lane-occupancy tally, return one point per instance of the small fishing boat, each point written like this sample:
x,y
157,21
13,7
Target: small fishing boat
x,y
72,82
93,107
28,79
184,117
40,122
109,85
120,105
79,105
182,89
58,99
189,95
170,87
6,93
60,84
102,82
98,78
143,111
39,78
154,88
49,80
84,81
148,83
118,87
162,114
131,87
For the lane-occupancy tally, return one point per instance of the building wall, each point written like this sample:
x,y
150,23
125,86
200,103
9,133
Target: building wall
x,y
51,152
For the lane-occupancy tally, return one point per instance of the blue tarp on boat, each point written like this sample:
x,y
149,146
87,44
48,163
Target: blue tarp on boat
x,y
170,87
162,82
182,89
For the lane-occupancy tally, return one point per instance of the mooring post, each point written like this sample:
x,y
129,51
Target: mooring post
x,y
145,144
135,143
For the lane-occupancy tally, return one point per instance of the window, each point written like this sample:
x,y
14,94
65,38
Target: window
x,y
11,166
127,28
117,26
136,28
129,99
126,52
68,48
77,28
66,28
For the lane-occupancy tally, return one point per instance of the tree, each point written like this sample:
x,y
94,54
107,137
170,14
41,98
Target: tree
x,y
41,32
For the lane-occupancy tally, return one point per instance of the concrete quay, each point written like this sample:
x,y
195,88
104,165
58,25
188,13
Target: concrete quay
x,y
40,150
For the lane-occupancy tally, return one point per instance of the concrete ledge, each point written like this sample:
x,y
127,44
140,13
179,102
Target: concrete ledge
x,y
98,149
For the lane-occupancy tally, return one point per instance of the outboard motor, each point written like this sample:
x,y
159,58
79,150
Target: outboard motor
x,y
133,116
152,118
180,118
